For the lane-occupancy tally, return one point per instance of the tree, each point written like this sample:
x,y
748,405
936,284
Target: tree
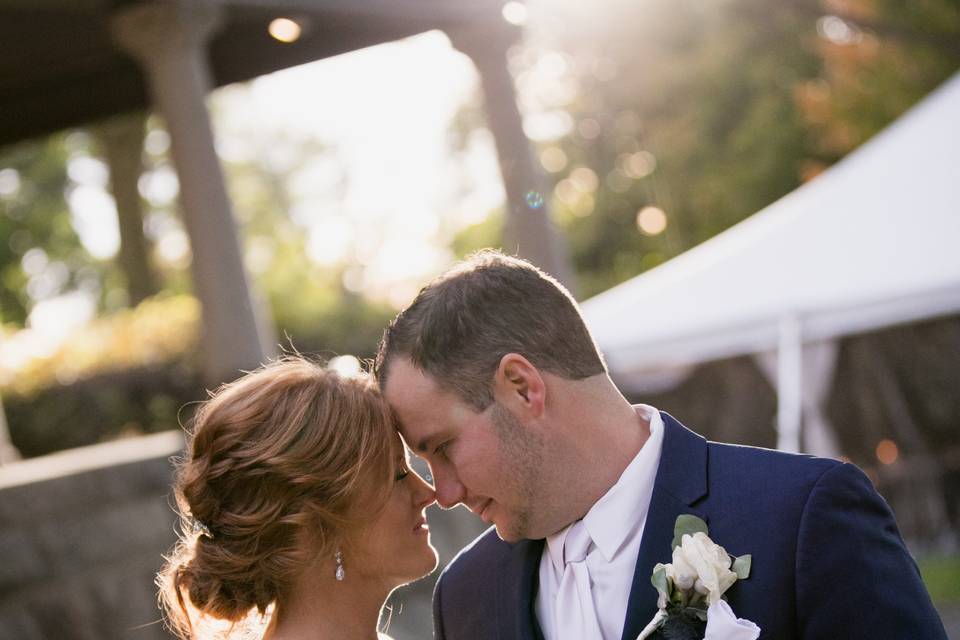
x,y
707,112
41,255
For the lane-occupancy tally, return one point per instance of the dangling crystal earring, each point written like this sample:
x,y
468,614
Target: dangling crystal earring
x,y
339,574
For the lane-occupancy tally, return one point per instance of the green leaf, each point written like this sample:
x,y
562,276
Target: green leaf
x,y
660,580
687,525
741,566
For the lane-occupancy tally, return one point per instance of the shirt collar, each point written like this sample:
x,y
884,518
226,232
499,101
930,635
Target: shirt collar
x,y
624,506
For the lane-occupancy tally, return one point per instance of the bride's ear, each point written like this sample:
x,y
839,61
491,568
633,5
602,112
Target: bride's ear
x,y
519,386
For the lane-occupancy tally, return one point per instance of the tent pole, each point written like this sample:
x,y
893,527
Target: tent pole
x,y
789,384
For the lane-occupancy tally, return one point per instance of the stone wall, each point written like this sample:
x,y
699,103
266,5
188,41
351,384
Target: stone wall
x,y
82,534
81,537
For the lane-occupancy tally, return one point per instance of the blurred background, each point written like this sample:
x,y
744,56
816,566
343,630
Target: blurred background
x,y
189,188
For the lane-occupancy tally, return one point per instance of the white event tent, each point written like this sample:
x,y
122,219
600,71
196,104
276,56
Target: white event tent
x,y
870,243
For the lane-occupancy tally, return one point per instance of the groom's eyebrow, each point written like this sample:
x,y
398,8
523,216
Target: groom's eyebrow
x,y
426,444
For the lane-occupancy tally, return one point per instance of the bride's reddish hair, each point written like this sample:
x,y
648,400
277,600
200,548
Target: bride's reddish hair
x,y
275,465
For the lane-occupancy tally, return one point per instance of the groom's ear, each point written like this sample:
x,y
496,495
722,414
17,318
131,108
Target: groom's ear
x,y
519,386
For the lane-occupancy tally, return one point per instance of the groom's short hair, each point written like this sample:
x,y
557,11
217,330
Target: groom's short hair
x,y
463,322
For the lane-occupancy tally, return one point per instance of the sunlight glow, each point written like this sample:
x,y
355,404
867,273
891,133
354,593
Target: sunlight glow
x,y
94,217
392,190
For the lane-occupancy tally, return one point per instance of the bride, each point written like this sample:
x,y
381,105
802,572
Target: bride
x,y
299,512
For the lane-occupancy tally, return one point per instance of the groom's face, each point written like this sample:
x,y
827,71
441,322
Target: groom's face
x,y
487,461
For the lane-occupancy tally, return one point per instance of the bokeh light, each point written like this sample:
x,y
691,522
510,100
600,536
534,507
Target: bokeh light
x,y
515,13
347,366
285,30
838,31
639,164
651,220
566,191
584,179
887,451
553,159
9,182
588,129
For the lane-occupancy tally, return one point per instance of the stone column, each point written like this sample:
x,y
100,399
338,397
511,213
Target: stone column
x,y
121,143
169,41
529,231
8,452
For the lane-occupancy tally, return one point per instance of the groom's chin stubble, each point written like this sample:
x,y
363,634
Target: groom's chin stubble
x,y
513,531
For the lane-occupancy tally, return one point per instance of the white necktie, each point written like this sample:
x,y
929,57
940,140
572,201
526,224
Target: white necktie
x,y
575,615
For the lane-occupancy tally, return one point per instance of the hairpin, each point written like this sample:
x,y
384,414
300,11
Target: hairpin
x,y
200,529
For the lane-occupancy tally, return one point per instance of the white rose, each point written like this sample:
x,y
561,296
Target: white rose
x,y
682,572
703,564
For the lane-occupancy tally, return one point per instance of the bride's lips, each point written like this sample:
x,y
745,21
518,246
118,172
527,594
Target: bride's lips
x,y
421,526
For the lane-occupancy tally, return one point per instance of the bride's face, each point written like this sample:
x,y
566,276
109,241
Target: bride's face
x,y
396,545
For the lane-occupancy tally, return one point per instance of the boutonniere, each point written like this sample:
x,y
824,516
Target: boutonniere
x,y
691,588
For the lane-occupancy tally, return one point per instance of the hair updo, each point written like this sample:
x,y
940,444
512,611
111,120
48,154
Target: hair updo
x,y
276,465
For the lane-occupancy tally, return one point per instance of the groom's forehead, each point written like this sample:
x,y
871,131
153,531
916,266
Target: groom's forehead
x,y
406,384
424,409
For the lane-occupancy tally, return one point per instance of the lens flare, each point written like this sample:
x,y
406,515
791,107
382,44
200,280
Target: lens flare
x,y
534,199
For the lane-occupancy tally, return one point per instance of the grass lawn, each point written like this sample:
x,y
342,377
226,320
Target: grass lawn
x,y
941,574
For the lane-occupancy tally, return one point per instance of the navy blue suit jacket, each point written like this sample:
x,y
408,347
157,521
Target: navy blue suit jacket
x,y
828,560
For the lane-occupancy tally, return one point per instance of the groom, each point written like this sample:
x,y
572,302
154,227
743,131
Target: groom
x,y
498,384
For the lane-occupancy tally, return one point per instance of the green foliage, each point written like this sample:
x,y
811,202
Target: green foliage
x,y
892,55
687,525
709,94
309,301
35,219
941,575
487,233
738,102
160,330
123,374
741,566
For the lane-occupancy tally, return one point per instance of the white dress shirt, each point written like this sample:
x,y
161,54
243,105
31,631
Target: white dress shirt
x,y
615,524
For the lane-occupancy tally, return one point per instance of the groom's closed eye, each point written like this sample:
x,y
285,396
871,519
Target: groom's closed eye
x,y
433,443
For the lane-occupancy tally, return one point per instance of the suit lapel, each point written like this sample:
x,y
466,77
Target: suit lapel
x,y
681,481
518,580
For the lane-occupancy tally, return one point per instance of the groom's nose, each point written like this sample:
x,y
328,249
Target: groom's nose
x,y
450,492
